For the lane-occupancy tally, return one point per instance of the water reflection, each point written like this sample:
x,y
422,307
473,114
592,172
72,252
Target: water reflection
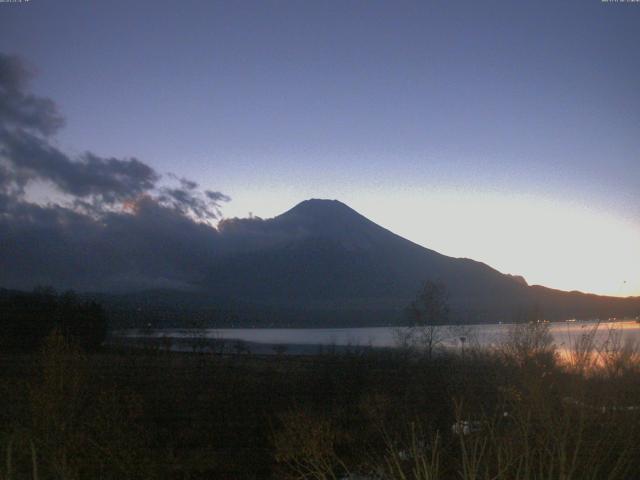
x,y
567,336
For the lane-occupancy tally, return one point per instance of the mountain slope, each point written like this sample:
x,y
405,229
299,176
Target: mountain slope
x,y
323,256
327,250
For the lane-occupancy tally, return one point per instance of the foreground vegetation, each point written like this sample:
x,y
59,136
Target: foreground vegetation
x,y
513,412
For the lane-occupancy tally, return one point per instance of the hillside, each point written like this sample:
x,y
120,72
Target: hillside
x,y
323,264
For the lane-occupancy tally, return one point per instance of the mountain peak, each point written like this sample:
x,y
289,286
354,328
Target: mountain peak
x,y
335,220
322,211
320,206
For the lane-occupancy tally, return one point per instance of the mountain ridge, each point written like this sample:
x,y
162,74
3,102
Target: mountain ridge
x,y
321,263
328,253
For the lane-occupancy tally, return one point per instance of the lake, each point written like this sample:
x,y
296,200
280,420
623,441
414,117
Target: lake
x,y
311,340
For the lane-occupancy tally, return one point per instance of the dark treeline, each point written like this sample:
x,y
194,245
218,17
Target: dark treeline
x,y
27,318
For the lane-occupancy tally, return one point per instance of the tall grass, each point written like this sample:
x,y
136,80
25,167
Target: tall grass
x,y
68,427
517,411
544,421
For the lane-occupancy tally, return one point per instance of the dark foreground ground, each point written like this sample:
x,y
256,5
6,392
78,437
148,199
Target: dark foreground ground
x,y
147,413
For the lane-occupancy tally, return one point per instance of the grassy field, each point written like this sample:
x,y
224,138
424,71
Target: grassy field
x,y
508,413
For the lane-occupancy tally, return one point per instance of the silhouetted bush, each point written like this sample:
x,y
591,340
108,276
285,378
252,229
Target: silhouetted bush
x,y
26,319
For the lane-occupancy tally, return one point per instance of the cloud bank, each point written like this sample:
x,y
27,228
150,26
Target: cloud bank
x,y
116,224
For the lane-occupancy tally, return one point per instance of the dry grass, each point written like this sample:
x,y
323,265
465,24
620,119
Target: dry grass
x,y
378,414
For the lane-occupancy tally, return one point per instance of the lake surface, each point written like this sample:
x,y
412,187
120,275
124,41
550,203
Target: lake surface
x,y
565,334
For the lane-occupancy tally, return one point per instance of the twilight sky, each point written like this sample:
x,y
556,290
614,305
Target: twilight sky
x,y
507,132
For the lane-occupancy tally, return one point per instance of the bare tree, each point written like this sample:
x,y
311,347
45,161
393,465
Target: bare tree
x,y
428,313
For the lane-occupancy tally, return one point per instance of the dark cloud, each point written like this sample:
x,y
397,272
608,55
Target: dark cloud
x,y
153,246
119,225
20,109
13,74
216,196
5,177
26,153
188,184
110,179
185,183
191,203
93,182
